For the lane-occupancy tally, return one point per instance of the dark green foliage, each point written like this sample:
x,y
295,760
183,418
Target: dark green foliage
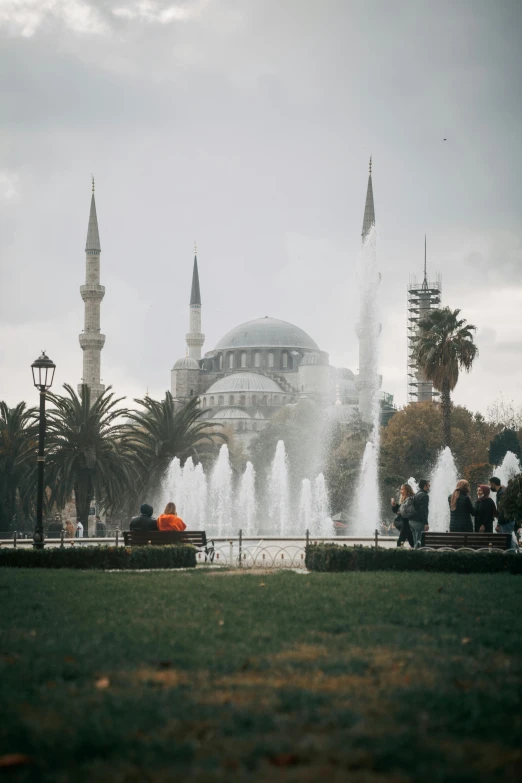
x,y
100,557
503,442
333,557
189,676
512,500
16,431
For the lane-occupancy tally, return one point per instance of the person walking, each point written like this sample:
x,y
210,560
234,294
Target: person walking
x,y
503,525
145,520
419,521
70,530
402,523
169,520
485,510
461,508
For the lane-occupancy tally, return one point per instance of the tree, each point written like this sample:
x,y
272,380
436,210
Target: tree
x,y
503,442
159,433
512,500
504,414
444,346
15,436
88,452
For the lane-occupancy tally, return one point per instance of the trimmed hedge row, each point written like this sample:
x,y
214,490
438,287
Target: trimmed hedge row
x,y
334,557
100,557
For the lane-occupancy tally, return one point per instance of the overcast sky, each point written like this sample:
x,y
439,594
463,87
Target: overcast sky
x,y
247,125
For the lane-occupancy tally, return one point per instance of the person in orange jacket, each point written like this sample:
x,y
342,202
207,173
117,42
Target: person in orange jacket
x,y
169,520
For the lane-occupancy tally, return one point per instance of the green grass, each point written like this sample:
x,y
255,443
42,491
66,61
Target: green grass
x,y
367,677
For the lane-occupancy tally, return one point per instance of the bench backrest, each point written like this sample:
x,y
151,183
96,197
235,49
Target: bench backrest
x,y
469,540
164,537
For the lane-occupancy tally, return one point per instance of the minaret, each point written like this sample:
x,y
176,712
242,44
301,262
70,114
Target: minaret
x,y
368,328
194,338
369,209
91,340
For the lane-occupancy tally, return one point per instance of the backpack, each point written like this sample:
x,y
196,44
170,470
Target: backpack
x,y
407,509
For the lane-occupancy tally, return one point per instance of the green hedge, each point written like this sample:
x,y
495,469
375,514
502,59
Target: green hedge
x,y
333,557
100,557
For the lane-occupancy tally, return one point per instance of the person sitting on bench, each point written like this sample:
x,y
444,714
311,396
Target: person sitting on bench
x,y
145,520
169,520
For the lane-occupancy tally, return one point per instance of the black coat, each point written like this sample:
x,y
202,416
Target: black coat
x,y
501,515
143,522
485,512
460,519
405,522
422,507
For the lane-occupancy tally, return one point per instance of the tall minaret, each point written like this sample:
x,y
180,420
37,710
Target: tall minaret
x,y
194,338
91,340
368,328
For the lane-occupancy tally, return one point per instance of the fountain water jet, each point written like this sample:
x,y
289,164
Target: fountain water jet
x,y
321,520
508,469
443,482
246,501
413,484
219,520
304,515
278,501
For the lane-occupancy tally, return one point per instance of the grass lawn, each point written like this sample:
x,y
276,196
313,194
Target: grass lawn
x,y
363,677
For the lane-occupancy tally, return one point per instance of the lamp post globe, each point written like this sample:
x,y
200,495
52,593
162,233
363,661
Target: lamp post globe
x,y
43,374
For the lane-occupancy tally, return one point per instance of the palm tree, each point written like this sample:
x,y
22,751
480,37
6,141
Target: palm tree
x,y
87,450
444,346
160,433
16,429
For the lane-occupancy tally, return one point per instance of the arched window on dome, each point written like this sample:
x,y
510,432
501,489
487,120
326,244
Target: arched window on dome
x,y
270,359
230,361
254,426
243,359
220,361
230,399
257,360
254,399
242,399
211,402
265,399
284,399
221,400
284,361
204,402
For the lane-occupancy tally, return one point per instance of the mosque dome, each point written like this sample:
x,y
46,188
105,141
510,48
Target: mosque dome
x,y
244,382
231,413
186,363
342,414
313,360
266,333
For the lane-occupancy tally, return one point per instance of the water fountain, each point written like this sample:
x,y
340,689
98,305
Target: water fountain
x,y
413,484
219,519
508,469
321,521
246,501
368,512
443,482
278,500
304,515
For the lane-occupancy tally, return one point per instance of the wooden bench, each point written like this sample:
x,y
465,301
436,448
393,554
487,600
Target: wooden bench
x,y
197,538
500,541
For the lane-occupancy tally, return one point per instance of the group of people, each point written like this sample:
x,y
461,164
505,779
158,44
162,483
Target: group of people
x,y
483,516
169,520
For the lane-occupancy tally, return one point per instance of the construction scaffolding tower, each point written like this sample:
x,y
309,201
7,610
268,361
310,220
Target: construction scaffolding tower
x,y
422,297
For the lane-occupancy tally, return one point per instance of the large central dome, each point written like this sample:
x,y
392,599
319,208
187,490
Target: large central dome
x,y
266,333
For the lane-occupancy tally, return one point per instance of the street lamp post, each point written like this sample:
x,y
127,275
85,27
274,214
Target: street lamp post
x,y
43,373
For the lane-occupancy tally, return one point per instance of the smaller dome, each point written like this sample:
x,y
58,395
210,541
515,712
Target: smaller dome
x,y
244,382
231,413
186,363
345,373
312,359
342,414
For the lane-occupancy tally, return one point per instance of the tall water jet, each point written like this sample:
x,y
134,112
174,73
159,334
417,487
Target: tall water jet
x,y
304,514
508,469
170,486
220,512
185,498
413,484
368,507
321,520
246,501
278,501
200,497
443,482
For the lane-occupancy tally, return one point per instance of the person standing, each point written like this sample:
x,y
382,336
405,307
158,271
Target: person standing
x,y
79,529
485,510
169,520
461,508
419,520
504,525
402,523
70,530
